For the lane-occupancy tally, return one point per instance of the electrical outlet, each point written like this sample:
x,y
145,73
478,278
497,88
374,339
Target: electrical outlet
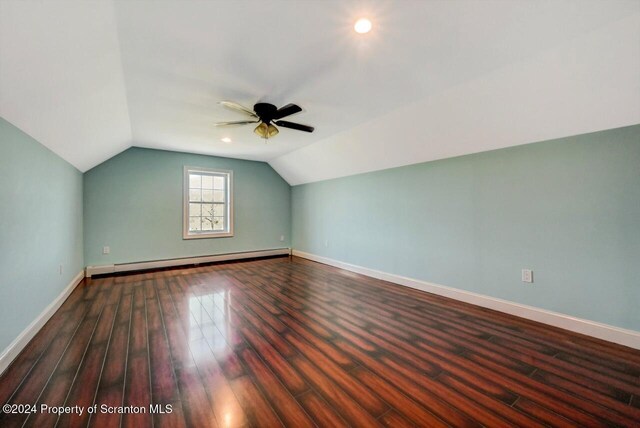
x,y
106,250
527,275
281,238
326,243
60,270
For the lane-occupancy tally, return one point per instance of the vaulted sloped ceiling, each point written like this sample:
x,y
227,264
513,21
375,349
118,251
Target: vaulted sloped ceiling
x,y
61,78
432,80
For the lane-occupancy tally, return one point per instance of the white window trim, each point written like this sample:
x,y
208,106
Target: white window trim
x,y
185,204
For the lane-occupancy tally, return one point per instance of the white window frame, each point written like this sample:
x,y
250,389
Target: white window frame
x,y
186,234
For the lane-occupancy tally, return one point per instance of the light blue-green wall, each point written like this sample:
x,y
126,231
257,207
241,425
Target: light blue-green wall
x,y
40,229
133,204
569,209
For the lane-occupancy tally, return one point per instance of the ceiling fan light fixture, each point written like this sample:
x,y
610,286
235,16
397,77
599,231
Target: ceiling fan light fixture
x,y
272,131
261,130
265,130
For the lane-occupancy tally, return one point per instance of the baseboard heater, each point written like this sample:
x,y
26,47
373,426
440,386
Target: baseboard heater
x,y
155,264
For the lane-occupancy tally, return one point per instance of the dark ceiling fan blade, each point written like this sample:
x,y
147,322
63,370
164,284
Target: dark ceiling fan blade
x,y
239,122
292,125
287,110
237,107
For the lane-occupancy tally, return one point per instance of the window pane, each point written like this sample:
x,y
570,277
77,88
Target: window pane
x,y
194,195
218,223
218,183
195,181
207,182
207,195
194,224
218,195
219,210
207,223
195,210
207,210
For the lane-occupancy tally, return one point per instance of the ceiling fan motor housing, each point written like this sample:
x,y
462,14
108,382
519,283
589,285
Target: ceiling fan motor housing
x,y
265,111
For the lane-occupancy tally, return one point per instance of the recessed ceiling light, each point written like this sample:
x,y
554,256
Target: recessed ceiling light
x,y
362,26
225,140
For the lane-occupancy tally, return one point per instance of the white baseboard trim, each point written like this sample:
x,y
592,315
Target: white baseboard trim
x,y
127,267
15,347
606,332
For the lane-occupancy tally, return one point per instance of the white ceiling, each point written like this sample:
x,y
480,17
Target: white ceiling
x,y
61,78
433,79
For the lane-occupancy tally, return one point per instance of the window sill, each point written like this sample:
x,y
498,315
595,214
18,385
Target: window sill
x,y
208,235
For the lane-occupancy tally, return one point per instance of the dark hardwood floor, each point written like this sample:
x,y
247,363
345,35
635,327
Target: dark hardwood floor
x,y
285,341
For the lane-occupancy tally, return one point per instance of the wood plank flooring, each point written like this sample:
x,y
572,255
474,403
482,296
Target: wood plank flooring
x,y
286,341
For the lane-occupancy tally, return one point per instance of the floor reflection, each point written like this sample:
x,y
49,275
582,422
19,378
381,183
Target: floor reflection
x,y
210,318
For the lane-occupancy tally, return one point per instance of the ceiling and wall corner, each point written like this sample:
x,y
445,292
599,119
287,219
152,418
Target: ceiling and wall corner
x,y
61,78
431,80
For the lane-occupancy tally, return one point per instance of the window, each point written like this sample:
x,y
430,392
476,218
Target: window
x,y
208,203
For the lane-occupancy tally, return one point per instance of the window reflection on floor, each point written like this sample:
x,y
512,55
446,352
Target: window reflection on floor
x,y
210,320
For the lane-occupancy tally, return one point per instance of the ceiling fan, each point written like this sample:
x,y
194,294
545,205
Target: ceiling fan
x,y
266,116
